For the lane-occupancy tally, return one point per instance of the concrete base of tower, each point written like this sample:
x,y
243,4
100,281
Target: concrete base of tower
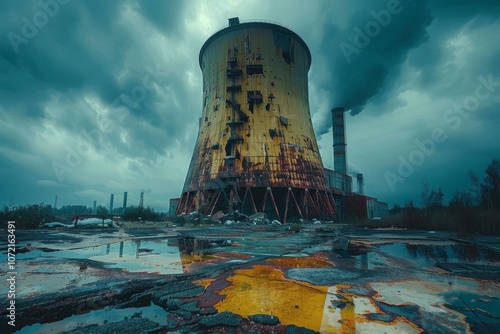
x,y
284,204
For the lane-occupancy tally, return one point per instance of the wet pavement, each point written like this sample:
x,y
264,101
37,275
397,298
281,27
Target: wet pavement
x,y
260,279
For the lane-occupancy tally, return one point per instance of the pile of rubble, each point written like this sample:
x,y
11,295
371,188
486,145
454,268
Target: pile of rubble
x,y
236,218
88,223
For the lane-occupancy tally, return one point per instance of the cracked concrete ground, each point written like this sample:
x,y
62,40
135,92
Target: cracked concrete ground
x,y
260,279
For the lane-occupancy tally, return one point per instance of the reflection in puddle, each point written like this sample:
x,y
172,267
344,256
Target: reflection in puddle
x,y
141,256
192,250
191,245
360,257
157,256
428,255
482,313
166,256
98,317
369,261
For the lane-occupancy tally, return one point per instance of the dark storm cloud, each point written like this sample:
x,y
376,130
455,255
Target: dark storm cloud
x,y
165,15
471,21
87,70
80,48
83,51
365,54
424,66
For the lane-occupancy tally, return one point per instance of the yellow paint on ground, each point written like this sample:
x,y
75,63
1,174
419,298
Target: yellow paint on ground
x,y
353,317
195,257
265,290
204,282
347,314
301,262
332,320
233,255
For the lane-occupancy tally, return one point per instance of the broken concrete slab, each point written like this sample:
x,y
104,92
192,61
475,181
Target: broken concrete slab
x,y
127,326
265,319
381,276
225,318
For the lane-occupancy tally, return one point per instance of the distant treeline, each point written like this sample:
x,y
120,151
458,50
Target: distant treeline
x,y
28,216
476,210
34,215
145,214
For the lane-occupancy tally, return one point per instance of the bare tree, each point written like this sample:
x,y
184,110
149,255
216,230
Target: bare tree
x,y
491,185
475,188
102,212
425,196
431,198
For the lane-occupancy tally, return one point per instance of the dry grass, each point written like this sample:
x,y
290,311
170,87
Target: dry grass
x,y
465,221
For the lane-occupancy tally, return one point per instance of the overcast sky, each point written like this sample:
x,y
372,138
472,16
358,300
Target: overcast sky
x,y
101,97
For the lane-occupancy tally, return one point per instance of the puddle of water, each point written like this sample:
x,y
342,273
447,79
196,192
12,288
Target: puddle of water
x,y
324,275
52,278
162,256
170,256
98,317
297,254
482,312
141,256
427,298
135,256
369,261
428,255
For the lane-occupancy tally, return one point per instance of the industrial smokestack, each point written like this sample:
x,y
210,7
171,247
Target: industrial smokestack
x,y
253,154
94,208
124,201
111,200
339,142
359,177
141,201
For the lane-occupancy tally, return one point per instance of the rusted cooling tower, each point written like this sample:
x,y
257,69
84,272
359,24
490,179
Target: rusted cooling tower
x,y
256,150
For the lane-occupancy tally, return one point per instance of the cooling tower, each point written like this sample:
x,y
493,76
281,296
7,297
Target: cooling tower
x,y
256,150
